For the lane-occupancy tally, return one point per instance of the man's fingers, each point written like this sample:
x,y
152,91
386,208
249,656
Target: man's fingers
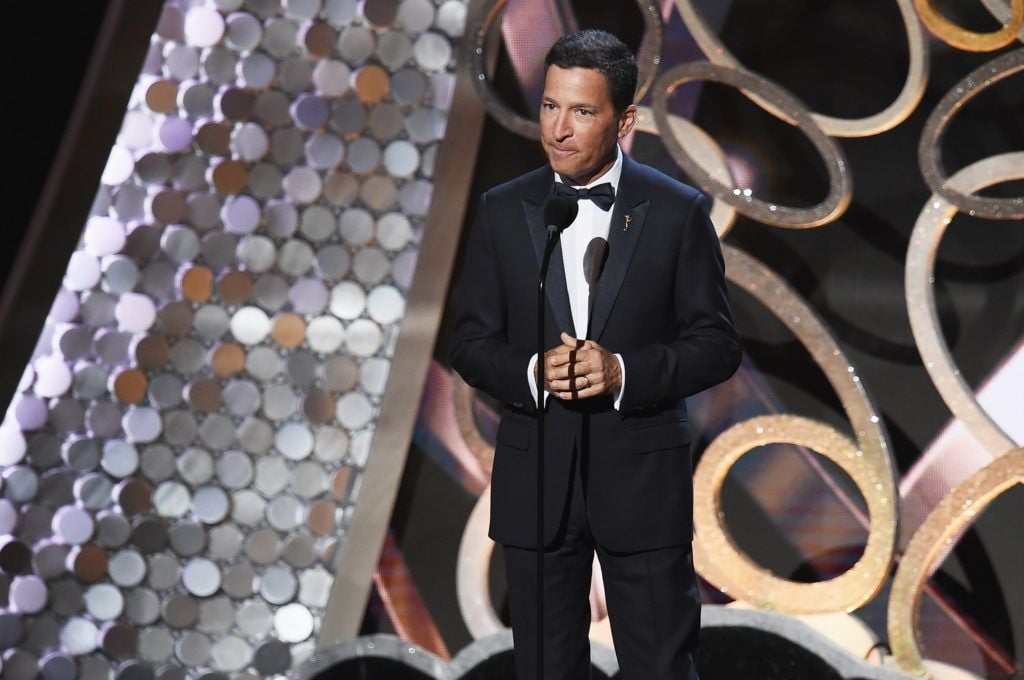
x,y
569,341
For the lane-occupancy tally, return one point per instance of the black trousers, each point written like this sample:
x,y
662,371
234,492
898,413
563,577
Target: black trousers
x,y
652,597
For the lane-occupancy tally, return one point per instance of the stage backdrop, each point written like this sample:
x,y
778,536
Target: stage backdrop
x,y
236,439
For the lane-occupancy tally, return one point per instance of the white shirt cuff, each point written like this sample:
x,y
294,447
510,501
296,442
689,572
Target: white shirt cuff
x,y
622,384
533,380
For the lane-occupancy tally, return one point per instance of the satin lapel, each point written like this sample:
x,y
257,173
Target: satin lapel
x,y
557,292
623,234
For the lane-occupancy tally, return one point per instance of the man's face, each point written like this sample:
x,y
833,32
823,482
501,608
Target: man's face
x,y
578,123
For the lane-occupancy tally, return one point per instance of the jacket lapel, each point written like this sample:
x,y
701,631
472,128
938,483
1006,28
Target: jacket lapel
x,y
555,288
628,216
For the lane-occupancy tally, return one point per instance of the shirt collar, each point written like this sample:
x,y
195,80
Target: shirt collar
x,y
612,175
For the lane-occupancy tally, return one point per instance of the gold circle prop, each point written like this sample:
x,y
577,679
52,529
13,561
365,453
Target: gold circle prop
x,y
1000,9
705,151
722,563
932,541
931,225
462,398
489,13
867,461
471,570
929,153
894,114
840,181
961,38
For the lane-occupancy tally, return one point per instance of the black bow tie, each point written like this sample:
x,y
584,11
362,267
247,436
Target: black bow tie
x,y
603,195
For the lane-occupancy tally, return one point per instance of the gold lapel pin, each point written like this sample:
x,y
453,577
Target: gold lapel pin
x,y
629,218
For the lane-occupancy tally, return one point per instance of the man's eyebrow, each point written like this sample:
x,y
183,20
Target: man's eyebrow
x,y
572,105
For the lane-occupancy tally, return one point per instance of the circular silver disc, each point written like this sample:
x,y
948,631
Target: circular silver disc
x,y
315,587
278,585
299,551
158,463
211,504
235,469
263,546
195,466
271,475
187,538
254,618
215,615
142,606
309,479
293,623
201,577
225,541
164,571
239,580
104,602
127,568
192,649
331,444
247,506
285,513
179,610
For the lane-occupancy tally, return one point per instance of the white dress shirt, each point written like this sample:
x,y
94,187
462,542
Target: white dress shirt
x,y
591,222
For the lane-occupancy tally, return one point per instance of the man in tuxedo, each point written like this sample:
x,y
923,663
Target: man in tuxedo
x,y
628,342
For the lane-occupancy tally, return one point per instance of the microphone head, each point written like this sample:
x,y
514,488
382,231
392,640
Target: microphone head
x,y
559,212
594,258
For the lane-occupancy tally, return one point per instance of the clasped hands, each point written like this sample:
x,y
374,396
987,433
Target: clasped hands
x,y
578,369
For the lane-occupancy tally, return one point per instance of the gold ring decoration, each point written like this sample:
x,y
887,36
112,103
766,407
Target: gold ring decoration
x,y
961,38
929,154
472,567
898,111
1001,10
867,461
705,151
924,319
490,12
932,541
840,182
462,396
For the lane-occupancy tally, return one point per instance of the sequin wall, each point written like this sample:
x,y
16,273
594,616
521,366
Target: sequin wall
x,y
187,444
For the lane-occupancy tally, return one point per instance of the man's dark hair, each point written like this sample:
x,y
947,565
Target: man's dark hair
x,y
602,52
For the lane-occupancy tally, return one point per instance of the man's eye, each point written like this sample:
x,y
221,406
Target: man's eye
x,y
585,112
549,106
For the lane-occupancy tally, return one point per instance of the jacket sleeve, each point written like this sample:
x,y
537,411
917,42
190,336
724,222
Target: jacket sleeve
x,y
707,349
481,352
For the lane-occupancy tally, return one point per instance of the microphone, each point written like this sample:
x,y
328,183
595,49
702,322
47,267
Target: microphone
x,y
593,264
559,212
593,260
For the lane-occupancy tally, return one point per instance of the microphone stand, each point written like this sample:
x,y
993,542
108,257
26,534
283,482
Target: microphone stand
x,y
549,247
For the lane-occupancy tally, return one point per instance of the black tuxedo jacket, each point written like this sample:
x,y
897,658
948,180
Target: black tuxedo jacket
x,y
661,302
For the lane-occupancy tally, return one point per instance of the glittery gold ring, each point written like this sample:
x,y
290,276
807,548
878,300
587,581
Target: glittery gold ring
x,y
929,154
932,541
723,564
867,461
840,183
898,111
963,39
924,318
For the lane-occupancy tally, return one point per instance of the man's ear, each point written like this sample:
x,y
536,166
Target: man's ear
x,y
627,119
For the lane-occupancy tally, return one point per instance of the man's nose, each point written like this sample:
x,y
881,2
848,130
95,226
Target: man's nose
x,y
563,127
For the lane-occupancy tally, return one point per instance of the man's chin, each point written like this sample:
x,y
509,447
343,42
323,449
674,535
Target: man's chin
x,y
564,169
